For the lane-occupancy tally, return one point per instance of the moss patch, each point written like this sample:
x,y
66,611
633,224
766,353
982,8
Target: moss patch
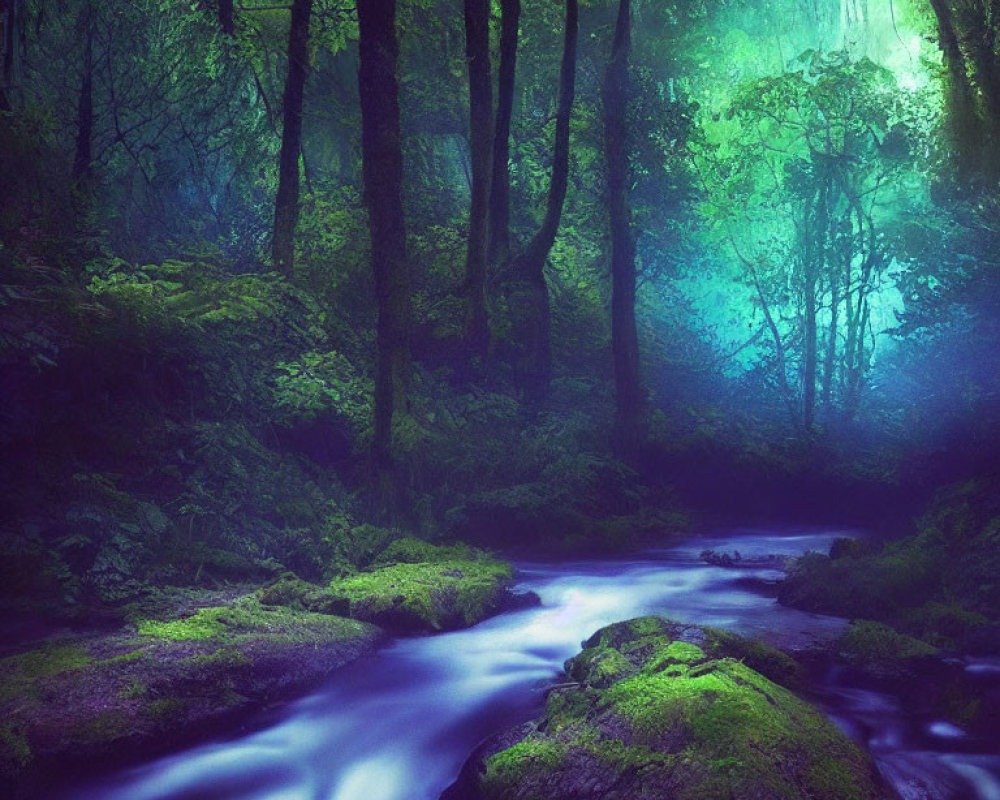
x,y
532,754
247,617
410,550
290,590
18,673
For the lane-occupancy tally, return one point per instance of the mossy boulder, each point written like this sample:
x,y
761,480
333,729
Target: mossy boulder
x,y
882,651
661,710
427,596
75,703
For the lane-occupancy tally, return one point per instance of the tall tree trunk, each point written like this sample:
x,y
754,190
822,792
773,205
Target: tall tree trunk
x,y
982,42
12,30
499,216
629,421
530,265
477,53
382,169
965,127
226,19
83,154
286,204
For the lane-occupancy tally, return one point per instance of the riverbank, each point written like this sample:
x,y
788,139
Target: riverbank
x,y
399,724
189,664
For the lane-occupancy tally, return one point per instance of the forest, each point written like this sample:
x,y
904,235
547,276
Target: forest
x,y
374,355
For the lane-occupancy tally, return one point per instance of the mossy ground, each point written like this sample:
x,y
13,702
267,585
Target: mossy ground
x,y
247,617
664,710
98,697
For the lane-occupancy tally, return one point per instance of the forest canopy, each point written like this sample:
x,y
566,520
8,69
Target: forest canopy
x,y
285,280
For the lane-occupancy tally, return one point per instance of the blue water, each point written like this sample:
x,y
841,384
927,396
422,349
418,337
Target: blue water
x,y
398,725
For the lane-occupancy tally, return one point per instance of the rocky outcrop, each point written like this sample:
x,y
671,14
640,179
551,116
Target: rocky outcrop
x,y
452,592
413,587
654,710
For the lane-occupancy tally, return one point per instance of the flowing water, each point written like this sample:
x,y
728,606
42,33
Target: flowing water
x,y
399,724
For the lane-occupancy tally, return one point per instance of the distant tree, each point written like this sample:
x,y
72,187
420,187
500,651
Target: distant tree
x,y
529,265
810,194
85,104
477,49
499,215
629,411
286,206
382,170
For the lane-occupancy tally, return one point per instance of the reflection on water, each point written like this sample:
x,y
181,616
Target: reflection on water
x,y
399,724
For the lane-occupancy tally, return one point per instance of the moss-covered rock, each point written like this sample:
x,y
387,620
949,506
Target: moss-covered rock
x,y
429,596
70,704
664,710
882,651
939,584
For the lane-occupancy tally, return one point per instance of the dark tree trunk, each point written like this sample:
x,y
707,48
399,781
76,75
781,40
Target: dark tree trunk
x,y
830,359
477,53
629,423
499,217
286,205
226,19
83,154
530,265
11,46
964,124
382,169
982,41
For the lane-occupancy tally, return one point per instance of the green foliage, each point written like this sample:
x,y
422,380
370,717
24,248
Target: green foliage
x,y
410,550
322,382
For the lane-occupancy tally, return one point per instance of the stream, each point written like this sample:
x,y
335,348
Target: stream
x,y
399,724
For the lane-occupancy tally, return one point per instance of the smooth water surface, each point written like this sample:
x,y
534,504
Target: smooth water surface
x,y
398,725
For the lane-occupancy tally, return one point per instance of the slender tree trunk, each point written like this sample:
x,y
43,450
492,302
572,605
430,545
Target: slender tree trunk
x,y
477,52
830,365
226,19
286,205
530,264
499,216
629,421
859,366
809,351
382,169
83,154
